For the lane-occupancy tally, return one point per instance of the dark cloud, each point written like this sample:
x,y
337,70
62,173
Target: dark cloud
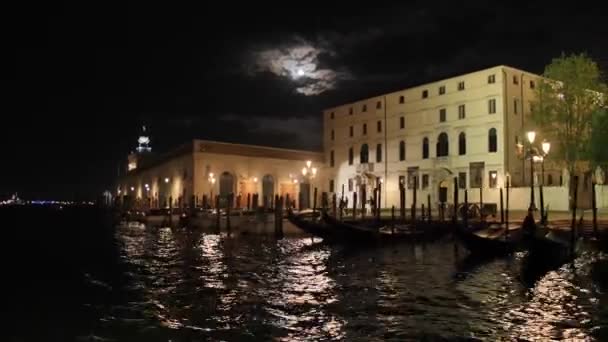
x,y
84,84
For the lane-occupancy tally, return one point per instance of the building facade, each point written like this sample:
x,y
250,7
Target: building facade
x,y
204,168
466,127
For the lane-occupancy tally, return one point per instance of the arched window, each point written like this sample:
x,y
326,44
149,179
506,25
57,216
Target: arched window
x,y
425,148
402,150
379,153
442,145
350,156
364,155
492,140
462,144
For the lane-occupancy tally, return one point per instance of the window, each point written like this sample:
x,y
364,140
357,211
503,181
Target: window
x,y
492,140
350,184
515,105
461,112
461,85
493,179
379,126
331,158
364,109
441,90
425,94
492,79
350,156
401,99
462,180
442,115
331,185
412,177
401,150
515,79
476,174
401,182
379,153
492,106
364,129
351,131
425,181
442,145
378,105
364,154
532,85
333,135
549,179
462,144
350,111
331,115
402,122
425,148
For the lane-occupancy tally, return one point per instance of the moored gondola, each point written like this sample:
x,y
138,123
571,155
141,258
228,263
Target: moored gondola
x,y
310,223
488,244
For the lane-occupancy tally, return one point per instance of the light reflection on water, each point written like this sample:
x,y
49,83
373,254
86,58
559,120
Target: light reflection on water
x,y
195,285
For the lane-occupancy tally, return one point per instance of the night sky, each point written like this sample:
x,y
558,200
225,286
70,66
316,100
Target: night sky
x,y
84,79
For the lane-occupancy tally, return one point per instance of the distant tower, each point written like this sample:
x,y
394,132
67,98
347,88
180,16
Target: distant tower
x,y
143,142
142,150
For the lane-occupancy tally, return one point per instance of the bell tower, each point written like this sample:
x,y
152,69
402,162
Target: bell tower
x,y
142,150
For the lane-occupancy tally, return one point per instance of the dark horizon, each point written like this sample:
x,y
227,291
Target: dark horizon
x,y
87,78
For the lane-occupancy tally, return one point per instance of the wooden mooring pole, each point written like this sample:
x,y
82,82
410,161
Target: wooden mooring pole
x,y
466,209
507,208
573,224
354,205
428,207
594,208
217,216
502,209
455,214
402,202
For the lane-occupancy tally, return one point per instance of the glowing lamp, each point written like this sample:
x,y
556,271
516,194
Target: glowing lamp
x,y
166,180
308,163
546,146
531,136
304,171
314,171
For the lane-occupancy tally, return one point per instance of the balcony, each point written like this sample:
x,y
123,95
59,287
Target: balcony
x,y
365,168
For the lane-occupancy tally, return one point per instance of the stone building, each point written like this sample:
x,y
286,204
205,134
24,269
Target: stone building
x,y
466,127
204,168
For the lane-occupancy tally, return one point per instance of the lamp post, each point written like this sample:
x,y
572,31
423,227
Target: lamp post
x,y
532,152
211,180
309,173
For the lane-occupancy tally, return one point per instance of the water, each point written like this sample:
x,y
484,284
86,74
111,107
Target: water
x,y
139,284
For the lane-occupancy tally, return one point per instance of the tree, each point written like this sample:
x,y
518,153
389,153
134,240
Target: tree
x,y
568,104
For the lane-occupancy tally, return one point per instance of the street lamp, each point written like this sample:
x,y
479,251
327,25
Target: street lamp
x,y
211,180
309,173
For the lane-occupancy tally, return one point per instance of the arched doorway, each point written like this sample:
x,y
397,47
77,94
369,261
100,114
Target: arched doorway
x,y
226,184
267,190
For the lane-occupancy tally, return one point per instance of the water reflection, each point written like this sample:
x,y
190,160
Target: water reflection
x,y
196,285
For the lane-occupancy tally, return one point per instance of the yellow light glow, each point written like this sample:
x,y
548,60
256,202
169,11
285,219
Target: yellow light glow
x,y
166,180
304,171
546,147
255,179
314,171
531,136
308,163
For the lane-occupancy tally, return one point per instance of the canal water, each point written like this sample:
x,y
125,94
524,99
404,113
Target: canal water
x,y
91,282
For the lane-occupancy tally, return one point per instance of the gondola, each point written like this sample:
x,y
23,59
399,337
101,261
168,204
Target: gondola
x,y
369,233
487,246
308,222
